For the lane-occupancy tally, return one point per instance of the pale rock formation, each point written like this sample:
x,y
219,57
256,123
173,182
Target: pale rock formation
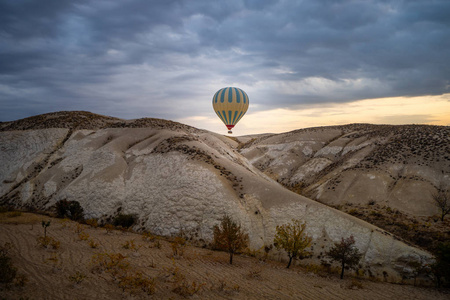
x,y
185,180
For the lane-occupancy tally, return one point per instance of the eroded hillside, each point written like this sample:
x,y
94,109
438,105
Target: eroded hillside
x,y
386,175
396,166
177,178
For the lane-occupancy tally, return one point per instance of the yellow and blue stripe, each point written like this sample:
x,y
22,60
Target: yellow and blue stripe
x,y
230,104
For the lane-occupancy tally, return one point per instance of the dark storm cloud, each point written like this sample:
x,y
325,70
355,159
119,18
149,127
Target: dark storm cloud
x,y
159,58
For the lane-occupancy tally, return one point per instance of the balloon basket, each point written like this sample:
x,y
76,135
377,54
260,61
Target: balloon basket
x,y
230,132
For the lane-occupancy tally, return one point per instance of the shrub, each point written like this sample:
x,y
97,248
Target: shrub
x,y
78,228
267,250
321,269
178,246
157,244
47,241
69,209
175,273
136,282
254,274
441,267
92,222
131,245
77,278
124,220
186,289
222,287
355,284
93,244
83,236
229,236
353,212
110,262
109,228
376,214
148,236
292,238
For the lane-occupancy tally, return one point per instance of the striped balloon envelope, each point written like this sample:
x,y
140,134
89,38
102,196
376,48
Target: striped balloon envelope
x,y
230,104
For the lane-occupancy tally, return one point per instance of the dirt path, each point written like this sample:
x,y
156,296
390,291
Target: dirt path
x,y
48,270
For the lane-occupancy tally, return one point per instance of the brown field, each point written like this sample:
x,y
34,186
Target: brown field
x,y
74,269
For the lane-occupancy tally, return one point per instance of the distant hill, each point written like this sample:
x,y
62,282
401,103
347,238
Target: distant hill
x,y
383,174
176,178
77,120
395,166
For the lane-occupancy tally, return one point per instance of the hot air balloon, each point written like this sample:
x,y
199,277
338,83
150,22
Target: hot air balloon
x,y
230,104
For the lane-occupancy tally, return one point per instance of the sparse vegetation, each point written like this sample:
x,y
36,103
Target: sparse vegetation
x,y
136,275
109,228
425,232
135,282
13,214
93,244
83,236
292,238
180,284
130,245
128,279
229,236
78,228
254,273
442,201
47,242
355,284
124,220
187,289
178,246
441,267
77,278
110,262
92,222
345,253
45,225
229,290
148,236
69,209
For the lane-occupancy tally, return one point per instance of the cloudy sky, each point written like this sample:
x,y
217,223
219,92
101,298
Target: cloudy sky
x,y
302,63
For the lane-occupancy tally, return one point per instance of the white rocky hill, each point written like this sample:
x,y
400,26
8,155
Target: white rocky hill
x,y
177,178
394,166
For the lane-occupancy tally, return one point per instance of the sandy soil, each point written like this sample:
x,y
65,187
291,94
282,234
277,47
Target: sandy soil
x,y
49,271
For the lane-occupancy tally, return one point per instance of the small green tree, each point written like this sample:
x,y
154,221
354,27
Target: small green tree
x,y
345,253
292,238
229,236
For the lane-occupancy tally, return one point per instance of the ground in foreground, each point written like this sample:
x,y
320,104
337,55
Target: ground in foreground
x,y
93,263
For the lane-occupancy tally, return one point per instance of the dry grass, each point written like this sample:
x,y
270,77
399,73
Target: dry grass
x,y
22,218
77,271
